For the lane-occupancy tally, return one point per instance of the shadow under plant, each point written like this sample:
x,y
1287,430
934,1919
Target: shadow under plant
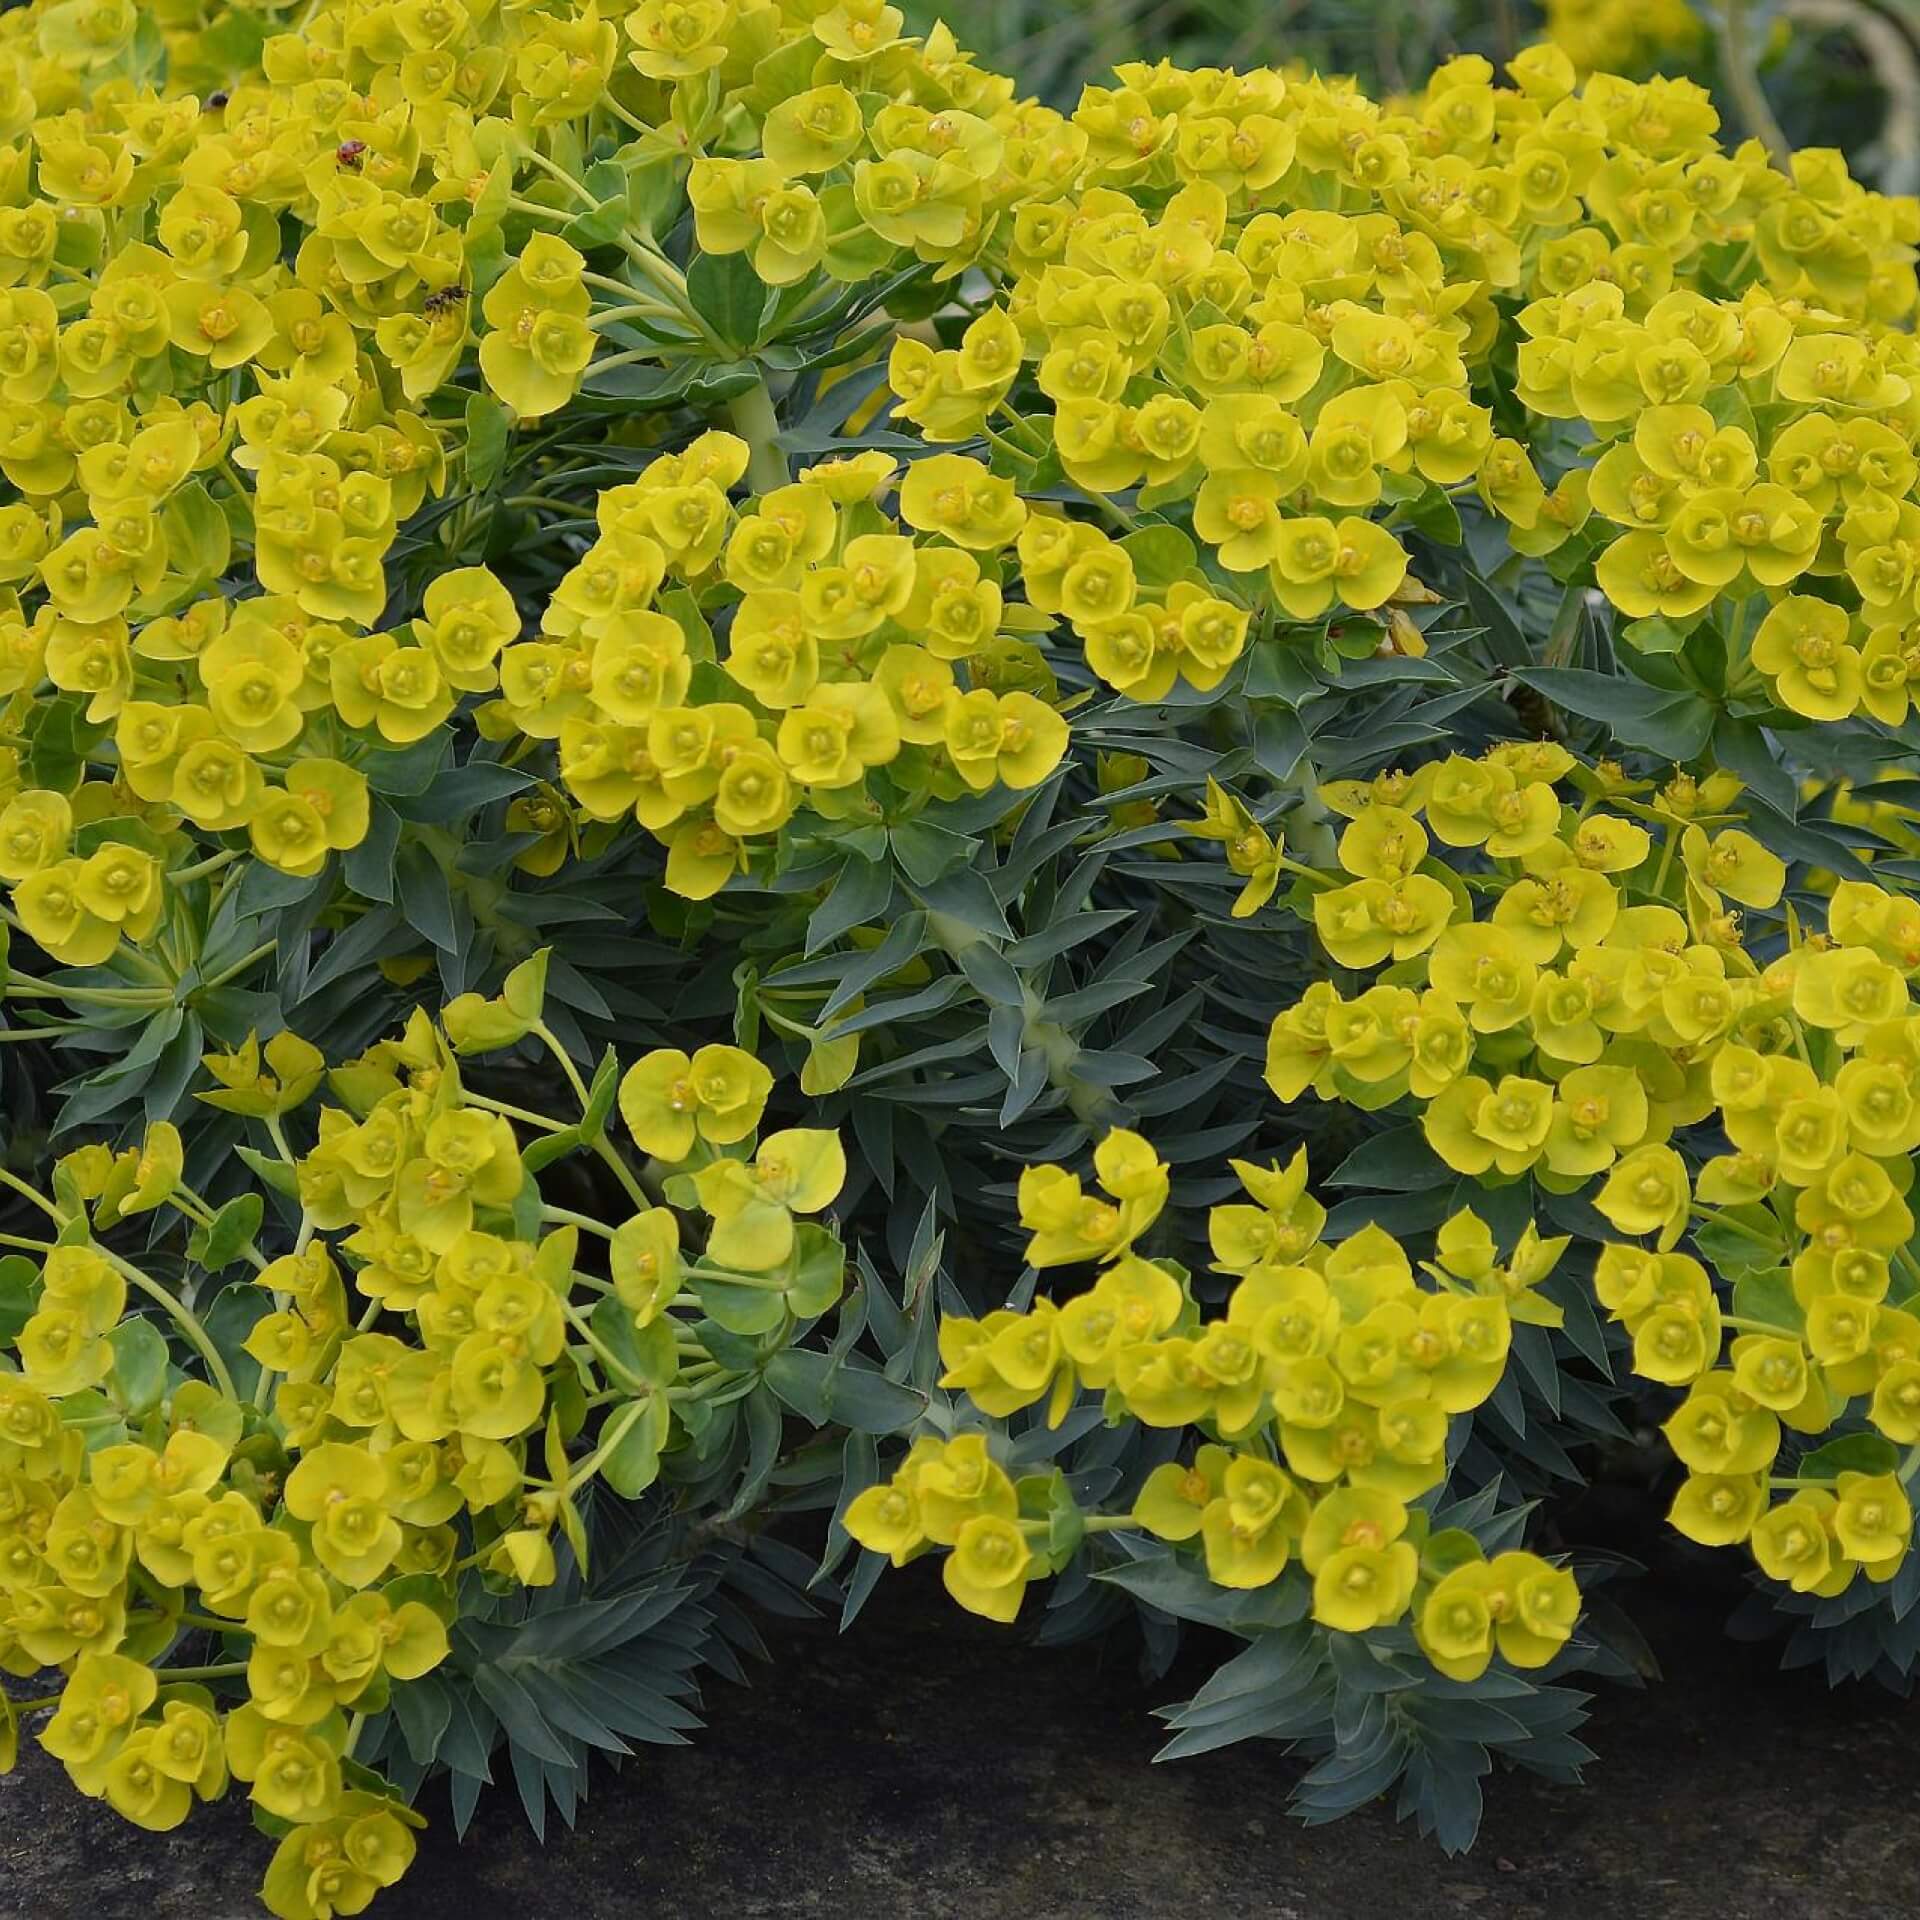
x,y
933,1770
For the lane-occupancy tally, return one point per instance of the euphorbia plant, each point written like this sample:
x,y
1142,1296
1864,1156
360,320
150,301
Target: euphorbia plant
x,y
961,637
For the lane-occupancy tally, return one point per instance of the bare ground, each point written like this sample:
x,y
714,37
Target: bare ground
x,y
925,1766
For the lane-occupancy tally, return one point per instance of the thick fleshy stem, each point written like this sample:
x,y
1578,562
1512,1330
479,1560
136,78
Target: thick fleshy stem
x,y
754,419
1308,825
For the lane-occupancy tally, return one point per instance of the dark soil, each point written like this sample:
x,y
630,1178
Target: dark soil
x,y
926,1768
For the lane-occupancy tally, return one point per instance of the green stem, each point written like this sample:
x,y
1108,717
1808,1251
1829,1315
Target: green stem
x,y
614,1370
602,1146
554,170
725,1380
628,310
189,1322
26,1192
766,1282
21,988
618,1428
201,1213
201,869
1308,825
620,113
239,967
1005,445
758,425
579,1086
1721,1219
568,1218
1023,430
632,357
186,1201
523,1114
1671,841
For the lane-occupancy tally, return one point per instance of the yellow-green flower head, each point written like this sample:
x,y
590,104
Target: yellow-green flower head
x,y
1719,1429
799,1170
668,1099
1805,647
1069,1225
644,1258
1794,1542
886,1519
1719,1510
1363,1571
988,1569
1647,1193
341,1491
1872,1521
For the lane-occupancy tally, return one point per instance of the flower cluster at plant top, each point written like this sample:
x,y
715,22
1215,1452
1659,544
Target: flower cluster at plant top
x,y
1263,302
1573,1031
1295,339
1331,1359
411,1417
189,398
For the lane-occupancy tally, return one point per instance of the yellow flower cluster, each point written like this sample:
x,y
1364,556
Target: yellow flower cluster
x,y
1574,1032
131,1513
432,1356
414,372
1574,1023
191,400
853,645
1812,512
954,1494
1265,300
1821,1333
1333,1360
231,326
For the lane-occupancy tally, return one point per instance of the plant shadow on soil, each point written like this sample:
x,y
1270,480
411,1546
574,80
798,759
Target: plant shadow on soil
x,y
927,1767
